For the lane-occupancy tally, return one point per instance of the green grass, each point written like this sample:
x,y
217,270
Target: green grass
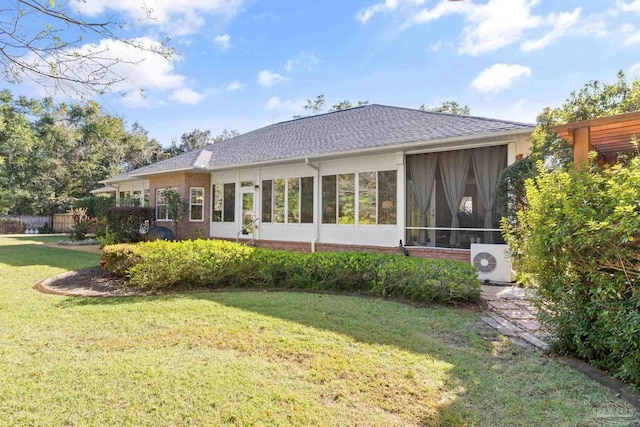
x,y
252,358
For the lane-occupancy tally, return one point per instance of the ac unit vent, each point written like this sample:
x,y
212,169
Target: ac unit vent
x,y
484,262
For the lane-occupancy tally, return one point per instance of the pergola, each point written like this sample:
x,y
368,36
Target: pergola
x,y
608,136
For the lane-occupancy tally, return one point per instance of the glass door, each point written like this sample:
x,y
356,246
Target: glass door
x,y
248,213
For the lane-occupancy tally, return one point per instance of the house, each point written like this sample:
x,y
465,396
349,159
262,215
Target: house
x,y
358,179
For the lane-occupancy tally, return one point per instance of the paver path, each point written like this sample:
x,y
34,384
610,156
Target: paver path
x,y
512,314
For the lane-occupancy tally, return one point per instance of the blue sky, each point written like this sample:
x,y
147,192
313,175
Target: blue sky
x,y
243,64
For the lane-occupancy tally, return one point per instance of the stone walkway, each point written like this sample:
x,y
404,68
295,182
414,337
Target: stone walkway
x,y
511,314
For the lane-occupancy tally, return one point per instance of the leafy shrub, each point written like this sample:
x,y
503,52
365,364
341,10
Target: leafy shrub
x,y
119,259
126,223
214,263
579,242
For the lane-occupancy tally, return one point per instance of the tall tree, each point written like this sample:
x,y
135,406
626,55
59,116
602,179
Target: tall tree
x,y
316,106
42,40
195,139
451,107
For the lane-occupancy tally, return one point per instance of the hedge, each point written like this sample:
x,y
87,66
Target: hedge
x,y
218,264
124,223
579,243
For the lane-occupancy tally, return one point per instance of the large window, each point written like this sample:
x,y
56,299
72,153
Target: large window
x,y
162,208
223,202
196,204
375,198
288,200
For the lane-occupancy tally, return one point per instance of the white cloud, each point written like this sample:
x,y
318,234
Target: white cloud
x,y
178,17
233,86
634,71
124,65
304,59
223,41
633,6
268,78
187,96
290,106
435,47
137,99
563,24
499,77
364,15
631,34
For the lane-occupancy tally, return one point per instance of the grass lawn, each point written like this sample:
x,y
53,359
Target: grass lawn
x,y
253,358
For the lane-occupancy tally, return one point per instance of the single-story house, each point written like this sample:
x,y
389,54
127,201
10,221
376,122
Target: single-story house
x,y
358,179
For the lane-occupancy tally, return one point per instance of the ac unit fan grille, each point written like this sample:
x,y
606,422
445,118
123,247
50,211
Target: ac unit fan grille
x,y
484,262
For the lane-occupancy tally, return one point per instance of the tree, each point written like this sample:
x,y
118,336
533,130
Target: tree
x,y
316,106
42,41
226,134
451,107
194,140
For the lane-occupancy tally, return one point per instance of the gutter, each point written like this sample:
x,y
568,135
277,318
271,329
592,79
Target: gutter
x,y
316,191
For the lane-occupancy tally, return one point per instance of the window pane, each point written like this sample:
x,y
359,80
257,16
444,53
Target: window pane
x,y
306,203
216,201
196,213
329,199
246,184
229,202
293,211
278,200
146,197
367,198
267,192
346,198
197,195
387,192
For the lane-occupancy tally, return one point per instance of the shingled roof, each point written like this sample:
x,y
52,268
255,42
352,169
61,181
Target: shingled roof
x,y
359,128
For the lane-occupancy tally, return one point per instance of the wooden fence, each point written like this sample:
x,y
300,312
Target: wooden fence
x,y
62,223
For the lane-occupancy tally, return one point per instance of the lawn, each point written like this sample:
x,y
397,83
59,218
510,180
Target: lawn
x,y
255,358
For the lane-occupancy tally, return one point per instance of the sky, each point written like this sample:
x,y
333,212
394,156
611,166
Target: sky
x,y
244,64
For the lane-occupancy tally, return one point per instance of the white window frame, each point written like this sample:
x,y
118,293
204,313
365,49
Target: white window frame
x,y
191,204
158,192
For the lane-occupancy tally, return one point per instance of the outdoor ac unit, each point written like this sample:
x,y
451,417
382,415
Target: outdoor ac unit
x,y
492,262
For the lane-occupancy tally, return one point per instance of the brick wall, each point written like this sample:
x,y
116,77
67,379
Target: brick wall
x,y
183,181
432,253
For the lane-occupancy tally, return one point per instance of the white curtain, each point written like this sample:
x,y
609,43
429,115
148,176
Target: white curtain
x,y
454,168
422,168
488,162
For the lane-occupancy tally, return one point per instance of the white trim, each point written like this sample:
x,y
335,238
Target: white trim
x,y
165,219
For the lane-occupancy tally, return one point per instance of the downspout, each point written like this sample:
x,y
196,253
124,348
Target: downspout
x,y
316,193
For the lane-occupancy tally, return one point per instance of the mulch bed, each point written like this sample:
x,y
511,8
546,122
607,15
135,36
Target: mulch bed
x,y
90,282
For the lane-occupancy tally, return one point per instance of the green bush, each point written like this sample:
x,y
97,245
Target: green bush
x,y
215,263
579,243
124,224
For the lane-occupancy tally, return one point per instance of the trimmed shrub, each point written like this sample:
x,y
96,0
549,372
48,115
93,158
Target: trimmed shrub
x,y
579,243
124,224
215,264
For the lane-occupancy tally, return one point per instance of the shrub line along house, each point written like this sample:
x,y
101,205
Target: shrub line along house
x,y
358,179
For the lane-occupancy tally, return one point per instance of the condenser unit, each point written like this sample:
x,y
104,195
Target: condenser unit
x,y
492,262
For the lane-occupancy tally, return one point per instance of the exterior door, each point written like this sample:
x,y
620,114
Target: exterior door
x,y
248,213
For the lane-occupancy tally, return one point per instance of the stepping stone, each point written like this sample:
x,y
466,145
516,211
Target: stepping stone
x,y
502,305
530,325
535,341
497,326
518,314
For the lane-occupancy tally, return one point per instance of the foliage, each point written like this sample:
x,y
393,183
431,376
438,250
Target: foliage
x,y
197,139
450,107
81,224
43,41
595,99
53,154
579,242
124,224
316,106
177,208
207,263
96,206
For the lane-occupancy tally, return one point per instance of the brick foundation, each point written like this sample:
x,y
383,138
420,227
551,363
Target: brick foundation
x,y
421,252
